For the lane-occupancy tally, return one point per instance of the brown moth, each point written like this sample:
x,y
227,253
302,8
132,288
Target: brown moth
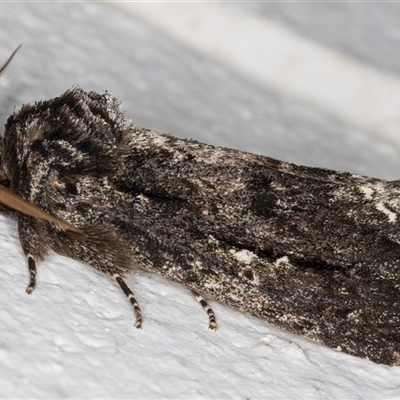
x,y
312,251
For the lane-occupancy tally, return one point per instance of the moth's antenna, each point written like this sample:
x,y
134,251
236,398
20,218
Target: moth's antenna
x,y
4,66
10,199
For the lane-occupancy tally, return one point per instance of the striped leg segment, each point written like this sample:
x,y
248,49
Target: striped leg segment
x,y
211,316
131,297
32,275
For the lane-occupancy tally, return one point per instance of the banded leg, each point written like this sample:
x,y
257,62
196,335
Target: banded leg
x,y
33,245
211,316
32,274
131,297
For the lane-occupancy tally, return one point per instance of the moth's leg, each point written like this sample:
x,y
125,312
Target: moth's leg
x,y
212,323
34,246
131,297
32,274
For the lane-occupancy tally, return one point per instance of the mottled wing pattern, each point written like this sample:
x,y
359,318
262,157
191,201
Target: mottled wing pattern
x,y
313,251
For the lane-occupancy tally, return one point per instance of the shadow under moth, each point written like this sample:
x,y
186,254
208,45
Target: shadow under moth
x,y
313,251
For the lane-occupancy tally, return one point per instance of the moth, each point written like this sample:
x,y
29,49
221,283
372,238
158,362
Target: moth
x,y
312,251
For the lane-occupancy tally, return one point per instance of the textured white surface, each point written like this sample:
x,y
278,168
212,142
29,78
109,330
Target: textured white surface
x,y
74,337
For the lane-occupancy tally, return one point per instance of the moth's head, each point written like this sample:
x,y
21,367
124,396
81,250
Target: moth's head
x,y
11,201
78,133
55,144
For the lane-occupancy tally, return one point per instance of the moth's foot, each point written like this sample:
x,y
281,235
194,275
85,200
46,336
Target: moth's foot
x,y
212,322
30,288
138,323
32,274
